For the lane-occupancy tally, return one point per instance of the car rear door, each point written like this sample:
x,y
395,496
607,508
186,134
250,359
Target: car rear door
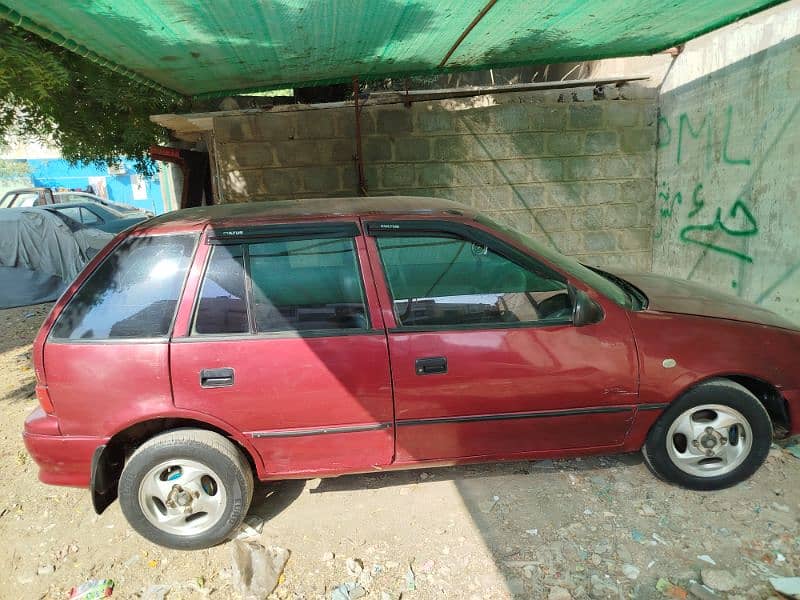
x,y
485,359
285,343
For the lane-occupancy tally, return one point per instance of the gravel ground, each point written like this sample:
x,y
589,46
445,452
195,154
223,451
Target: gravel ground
x,y
578,528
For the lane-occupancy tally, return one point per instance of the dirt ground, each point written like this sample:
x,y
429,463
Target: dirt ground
x,y
578,528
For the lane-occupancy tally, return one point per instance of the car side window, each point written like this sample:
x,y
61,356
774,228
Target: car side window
x,y
133,293
445,281
73,212
306,284
26,200
222,305
88,217
310,284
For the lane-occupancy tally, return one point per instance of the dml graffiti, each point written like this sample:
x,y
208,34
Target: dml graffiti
x,y
715,229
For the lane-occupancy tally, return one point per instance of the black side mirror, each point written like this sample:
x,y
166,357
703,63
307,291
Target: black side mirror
x,y
585,311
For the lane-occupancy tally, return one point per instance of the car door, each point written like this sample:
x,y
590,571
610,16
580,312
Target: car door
x,y
283,346
485,359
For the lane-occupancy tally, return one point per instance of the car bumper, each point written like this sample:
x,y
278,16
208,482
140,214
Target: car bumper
x,y
62,459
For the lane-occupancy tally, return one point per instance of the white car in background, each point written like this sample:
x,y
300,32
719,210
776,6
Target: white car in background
x,y
68,197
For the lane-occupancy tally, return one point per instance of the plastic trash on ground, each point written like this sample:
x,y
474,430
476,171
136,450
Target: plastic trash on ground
x,y
92,589
256,569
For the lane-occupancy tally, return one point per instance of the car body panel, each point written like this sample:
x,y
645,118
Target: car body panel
x,y
287,390
103,385
725,348
667,294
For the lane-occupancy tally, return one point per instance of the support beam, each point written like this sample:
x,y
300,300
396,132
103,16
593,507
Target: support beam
x,y
465,33
359,157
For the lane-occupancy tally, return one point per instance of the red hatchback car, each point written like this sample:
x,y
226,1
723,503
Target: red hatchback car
x,y
316,338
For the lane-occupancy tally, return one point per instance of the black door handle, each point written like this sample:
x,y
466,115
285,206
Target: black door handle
x,y
214,378
431,365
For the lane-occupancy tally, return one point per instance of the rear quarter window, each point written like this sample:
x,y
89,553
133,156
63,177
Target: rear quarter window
x,y
133,293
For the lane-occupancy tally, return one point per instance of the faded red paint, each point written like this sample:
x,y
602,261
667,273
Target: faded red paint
x,y
561,390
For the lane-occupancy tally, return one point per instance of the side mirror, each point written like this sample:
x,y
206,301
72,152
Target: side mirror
x,y
585,311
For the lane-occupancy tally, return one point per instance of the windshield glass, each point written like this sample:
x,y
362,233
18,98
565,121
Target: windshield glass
x,y
19,200
606,287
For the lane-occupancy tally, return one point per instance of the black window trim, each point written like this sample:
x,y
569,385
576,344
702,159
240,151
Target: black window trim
x,y
463,231
245,236
162,339
288,232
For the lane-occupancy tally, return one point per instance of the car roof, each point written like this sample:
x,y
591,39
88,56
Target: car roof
x,y
74,205
253,213
21,190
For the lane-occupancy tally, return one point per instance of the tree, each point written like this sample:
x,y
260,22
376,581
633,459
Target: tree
x,y
93,114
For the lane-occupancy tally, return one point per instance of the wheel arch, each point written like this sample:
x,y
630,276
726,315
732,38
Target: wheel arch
x,y
768,394
109,459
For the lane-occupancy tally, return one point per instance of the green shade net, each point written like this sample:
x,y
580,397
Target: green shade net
x,y
218,47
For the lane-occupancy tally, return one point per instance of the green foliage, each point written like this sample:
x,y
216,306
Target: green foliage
x,y
93,114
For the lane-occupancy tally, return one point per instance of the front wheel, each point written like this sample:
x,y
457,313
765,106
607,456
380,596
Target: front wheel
x,y
714,436
187,489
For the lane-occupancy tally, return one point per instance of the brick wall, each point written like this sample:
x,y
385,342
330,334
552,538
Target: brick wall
x,y
572,167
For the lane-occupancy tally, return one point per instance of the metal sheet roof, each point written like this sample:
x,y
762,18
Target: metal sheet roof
x,y
219,47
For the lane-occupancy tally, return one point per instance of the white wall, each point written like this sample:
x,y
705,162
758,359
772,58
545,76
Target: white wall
x,y
727,173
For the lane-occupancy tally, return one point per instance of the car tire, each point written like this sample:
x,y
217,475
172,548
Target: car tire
x,y
714,436
187,489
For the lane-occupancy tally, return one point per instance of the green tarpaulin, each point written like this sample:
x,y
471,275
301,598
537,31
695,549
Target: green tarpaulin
x,y
214,47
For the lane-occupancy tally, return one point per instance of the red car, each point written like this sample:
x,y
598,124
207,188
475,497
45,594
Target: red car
x,y
277,340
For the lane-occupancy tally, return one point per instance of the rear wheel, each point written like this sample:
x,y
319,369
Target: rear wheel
x,y
186,489
714,436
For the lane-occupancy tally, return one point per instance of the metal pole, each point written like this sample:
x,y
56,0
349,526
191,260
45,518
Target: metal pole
x,y
362,180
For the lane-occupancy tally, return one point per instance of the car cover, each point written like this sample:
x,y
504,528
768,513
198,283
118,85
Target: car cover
x,y
40,255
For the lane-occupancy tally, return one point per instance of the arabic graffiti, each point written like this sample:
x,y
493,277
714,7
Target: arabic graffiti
x,y
719,225
728,224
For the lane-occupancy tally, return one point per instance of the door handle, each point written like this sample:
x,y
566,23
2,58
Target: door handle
x,y
431,365
215,378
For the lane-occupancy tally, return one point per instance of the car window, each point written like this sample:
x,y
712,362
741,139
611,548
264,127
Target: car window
x,y
566,263
222,306
132,294
306,284
73,212
88,217
25,200
296,285
441,281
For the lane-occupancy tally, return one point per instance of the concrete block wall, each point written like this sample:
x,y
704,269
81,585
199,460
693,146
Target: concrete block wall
x,y
728,185
574,168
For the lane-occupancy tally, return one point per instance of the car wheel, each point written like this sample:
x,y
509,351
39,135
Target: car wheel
x,y
715,436
187,489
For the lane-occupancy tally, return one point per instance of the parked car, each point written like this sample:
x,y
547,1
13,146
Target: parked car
x,y
41,253
209,346
25,198
71,197
97,216
90,239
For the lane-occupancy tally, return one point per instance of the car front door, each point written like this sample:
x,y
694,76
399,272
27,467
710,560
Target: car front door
x,y
486,361
282,345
